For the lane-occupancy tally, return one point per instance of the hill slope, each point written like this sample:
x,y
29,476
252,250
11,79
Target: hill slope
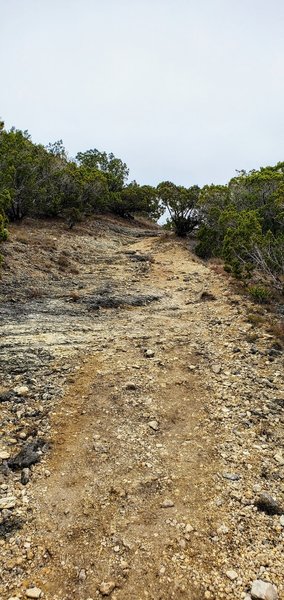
x,y
164,412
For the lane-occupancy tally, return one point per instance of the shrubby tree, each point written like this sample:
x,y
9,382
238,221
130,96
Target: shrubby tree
x,y
181,203
243,223
115,170
134,198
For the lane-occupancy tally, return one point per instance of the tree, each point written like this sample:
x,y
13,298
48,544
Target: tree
x,y
115,170
134,198
181,203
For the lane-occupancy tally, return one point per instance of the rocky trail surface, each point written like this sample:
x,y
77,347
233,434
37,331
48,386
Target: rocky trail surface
x,y
141,448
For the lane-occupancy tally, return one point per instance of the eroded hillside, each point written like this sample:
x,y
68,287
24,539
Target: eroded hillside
x,y
142,422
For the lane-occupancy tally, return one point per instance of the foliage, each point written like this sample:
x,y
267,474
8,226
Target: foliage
x,y
181,203
243,223
42,181
135,198
259,293
115,170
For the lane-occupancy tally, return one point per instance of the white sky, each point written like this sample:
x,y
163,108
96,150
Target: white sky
x,y
181,90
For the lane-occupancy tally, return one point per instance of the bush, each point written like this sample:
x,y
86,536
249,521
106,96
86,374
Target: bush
x,y
259,293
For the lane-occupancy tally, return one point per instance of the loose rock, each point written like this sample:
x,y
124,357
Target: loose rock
x,y
107,587
232,575
262,590
33,593
154,425
268,504
167,504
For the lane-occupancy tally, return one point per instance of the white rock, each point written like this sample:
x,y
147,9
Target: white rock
x,y
216,369
149,353
8,502
232,575
167,504
21,390
154,425
223,529
282,520
262,590
33,593
107,587
4,454
279,458
82,575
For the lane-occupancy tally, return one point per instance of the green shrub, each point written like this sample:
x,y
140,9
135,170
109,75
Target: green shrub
x,y
259,293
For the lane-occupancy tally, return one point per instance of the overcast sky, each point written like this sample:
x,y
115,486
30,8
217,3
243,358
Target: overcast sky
x,y
181,90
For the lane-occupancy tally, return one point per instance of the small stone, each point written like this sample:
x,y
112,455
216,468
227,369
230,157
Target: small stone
x,y
154,425
107,587
82,576
282,520
130,386
167,504
216,369
8,502
232,476
21,390
189,528
279,458
223,529
262,590
4,455
25,476
33,593
149,353
232,575
268,504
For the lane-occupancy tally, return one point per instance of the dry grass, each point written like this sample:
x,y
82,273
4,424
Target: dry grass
x,y
277,329
34,293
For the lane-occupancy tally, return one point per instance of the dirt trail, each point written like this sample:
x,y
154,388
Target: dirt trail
x,y
148,490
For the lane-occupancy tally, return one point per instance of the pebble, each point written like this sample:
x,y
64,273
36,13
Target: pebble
x,y
262,590
33,593
154,425
279,458
223,529
232,575
231,476
130,386
8,502
4,455
21,390
282,520
167,504
25,476
107,587
82,576
149,353
216,369
266,503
